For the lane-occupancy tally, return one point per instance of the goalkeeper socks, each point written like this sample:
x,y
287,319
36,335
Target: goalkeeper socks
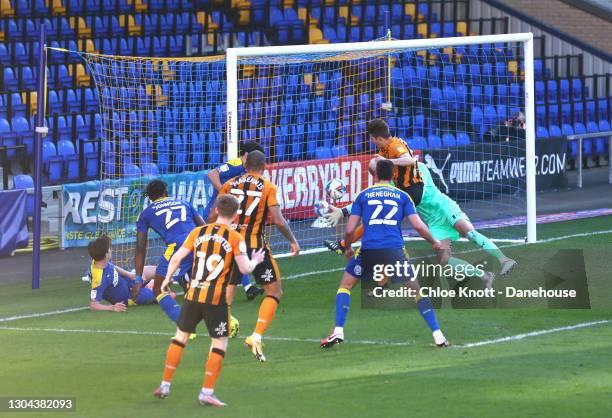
x,y
169,306
213,370
428,313
246,282
486,244
343,301
463,267
173,358
267,310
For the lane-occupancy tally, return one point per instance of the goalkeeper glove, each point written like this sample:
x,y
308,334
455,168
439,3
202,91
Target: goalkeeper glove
x,y
333,215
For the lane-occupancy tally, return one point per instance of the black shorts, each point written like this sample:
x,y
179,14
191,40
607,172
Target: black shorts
x,y
216,318
375,265
265,273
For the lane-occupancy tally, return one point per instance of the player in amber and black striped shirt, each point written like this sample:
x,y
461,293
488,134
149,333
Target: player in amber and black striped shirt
x,y
257,197
216,248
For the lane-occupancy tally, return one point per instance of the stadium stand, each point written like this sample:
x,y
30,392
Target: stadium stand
x,y
566,101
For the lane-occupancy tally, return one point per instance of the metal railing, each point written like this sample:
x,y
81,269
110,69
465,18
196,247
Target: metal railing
x,y
579,138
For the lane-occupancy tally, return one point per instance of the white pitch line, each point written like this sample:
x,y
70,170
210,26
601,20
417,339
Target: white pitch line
x,y
519,337
40,314
168,334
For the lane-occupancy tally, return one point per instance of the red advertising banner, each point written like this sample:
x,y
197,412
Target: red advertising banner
x,y
301,183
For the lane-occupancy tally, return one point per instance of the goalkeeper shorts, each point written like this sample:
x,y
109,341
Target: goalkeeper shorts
x,y
441,213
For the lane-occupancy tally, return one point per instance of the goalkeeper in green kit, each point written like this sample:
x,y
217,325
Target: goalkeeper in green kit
x,y
446,221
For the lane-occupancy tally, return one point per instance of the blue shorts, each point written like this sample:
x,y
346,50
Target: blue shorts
x,y
387,263
145,296
353,267
182,274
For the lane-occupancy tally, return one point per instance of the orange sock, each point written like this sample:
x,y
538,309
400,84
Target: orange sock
x,y
356,235
213,368
173,358
267,310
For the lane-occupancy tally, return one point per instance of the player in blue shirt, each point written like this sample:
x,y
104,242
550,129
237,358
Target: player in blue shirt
x,y
221,175
173,220
381,208
112,283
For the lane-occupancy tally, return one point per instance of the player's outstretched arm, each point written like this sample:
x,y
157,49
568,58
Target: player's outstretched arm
x,y
422,229
281,224
246,265
97,306
174,263
215,179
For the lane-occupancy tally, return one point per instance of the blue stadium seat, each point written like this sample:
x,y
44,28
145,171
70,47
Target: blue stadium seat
x,y
578,115
21,127
322,153
448,140
564,89
552,90
53,164
23,181
339,151
541,132
463,139
434,142
489,94
602,142
554,131
11,82
553,114
476,93
590,111
163,154
66,150
539,92
149,169
417,143
490,117
131,170
179,153
567,129
419,126
502,94
577,91
537,69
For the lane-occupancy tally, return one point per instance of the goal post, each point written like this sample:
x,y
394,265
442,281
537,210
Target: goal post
x,y
245,65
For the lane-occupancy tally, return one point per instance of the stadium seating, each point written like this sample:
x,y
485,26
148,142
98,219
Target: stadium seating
x,y
165,28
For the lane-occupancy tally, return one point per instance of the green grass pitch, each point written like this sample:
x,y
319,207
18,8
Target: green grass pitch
x,y
111,362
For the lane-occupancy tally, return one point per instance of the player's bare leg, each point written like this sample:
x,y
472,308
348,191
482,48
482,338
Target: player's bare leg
x,y
467,230
445,256
267,310
218,346
343,298
173,358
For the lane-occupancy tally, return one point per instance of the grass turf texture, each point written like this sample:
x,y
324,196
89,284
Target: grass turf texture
x,y
558,374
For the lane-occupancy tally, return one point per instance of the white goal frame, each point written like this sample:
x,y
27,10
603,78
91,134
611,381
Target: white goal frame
x,y
233,54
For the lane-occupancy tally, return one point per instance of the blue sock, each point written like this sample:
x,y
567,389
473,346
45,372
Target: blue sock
x,y
246,282
428,313
169,306
343,301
